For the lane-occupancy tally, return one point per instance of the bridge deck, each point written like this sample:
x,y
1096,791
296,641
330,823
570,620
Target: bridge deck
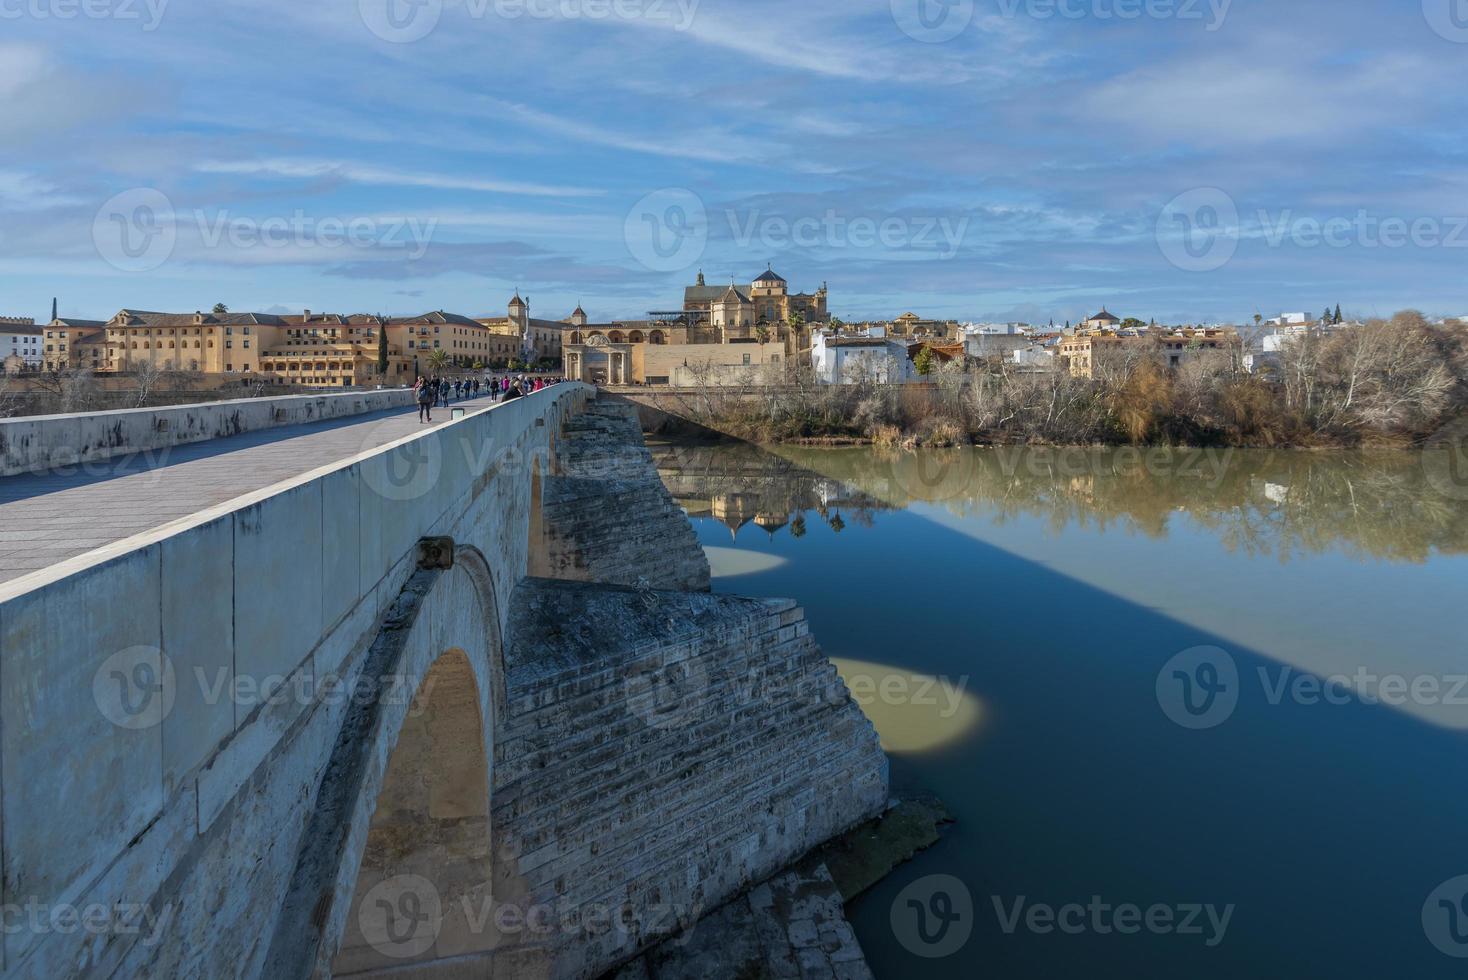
x,y
46,518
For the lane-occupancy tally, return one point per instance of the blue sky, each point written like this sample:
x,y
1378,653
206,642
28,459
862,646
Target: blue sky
x,y
978,159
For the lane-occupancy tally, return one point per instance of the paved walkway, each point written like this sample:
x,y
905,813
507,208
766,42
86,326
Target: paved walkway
x,y
49,517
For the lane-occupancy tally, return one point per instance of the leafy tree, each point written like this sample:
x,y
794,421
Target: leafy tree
x,y
837,524
220,308
1132,323
1338,318
797,526
924,361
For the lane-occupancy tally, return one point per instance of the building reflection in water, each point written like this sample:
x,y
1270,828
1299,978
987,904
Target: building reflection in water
x,y
738,484
1276,503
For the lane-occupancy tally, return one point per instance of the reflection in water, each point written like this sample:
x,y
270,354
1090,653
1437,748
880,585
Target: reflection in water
x,y
912,712
733,562
1282,504
1063,586
738,485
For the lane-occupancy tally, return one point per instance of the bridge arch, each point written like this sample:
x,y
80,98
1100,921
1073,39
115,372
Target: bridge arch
x,y
397,861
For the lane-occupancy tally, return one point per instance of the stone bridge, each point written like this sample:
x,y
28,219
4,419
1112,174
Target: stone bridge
x,y
353,695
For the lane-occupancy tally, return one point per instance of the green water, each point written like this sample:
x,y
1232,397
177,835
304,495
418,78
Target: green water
x,y
1152,689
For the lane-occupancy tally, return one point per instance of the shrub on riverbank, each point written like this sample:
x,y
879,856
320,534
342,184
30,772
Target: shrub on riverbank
x,y
1382,383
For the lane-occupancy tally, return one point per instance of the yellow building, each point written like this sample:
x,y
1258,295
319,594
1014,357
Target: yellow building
x,y
723,335
464,341
725,314
1080,352
75,344
534,339
212,343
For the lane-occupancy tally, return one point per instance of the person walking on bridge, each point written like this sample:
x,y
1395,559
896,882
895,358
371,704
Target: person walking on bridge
x,y
425,395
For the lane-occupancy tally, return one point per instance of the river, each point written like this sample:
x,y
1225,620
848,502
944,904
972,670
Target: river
x,y
1197,714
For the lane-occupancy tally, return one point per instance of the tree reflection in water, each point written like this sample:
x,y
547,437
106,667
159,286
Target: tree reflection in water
x,y
1284,503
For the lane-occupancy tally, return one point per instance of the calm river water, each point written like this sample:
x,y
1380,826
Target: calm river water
x,y
1197,715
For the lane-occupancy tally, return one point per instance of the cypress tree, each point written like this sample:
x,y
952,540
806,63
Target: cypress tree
x,y
382,345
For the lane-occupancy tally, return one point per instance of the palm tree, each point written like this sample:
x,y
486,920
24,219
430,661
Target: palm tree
x,y
438,360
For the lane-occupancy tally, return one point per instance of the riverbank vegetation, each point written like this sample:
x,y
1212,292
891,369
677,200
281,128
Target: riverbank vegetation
x,y
1384,383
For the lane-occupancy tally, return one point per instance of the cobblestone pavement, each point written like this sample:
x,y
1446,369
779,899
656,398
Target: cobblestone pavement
x,y
49,517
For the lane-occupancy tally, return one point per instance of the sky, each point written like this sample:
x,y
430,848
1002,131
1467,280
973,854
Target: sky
x,y
1183,160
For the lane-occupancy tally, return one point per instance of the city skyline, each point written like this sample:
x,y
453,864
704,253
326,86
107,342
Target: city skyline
x,y
977,161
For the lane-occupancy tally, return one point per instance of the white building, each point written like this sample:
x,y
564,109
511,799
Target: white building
x,y
1036,358
1290,320
869,356
995,329
20,337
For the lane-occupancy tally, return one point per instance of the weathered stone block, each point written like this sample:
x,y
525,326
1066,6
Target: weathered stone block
x,y
198,640
82,692
277,585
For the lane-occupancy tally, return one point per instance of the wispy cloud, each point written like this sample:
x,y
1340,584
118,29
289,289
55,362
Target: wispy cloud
x,y
360,173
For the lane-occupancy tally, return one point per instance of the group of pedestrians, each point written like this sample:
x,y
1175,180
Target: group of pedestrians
x,y
433,392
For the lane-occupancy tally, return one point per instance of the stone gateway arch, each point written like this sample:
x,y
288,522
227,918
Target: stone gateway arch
x,y
458,705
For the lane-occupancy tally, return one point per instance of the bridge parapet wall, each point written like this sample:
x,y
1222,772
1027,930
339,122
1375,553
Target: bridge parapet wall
x,y
147,689
34,443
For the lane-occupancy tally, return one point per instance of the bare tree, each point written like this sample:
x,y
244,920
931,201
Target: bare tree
x,y
149,377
